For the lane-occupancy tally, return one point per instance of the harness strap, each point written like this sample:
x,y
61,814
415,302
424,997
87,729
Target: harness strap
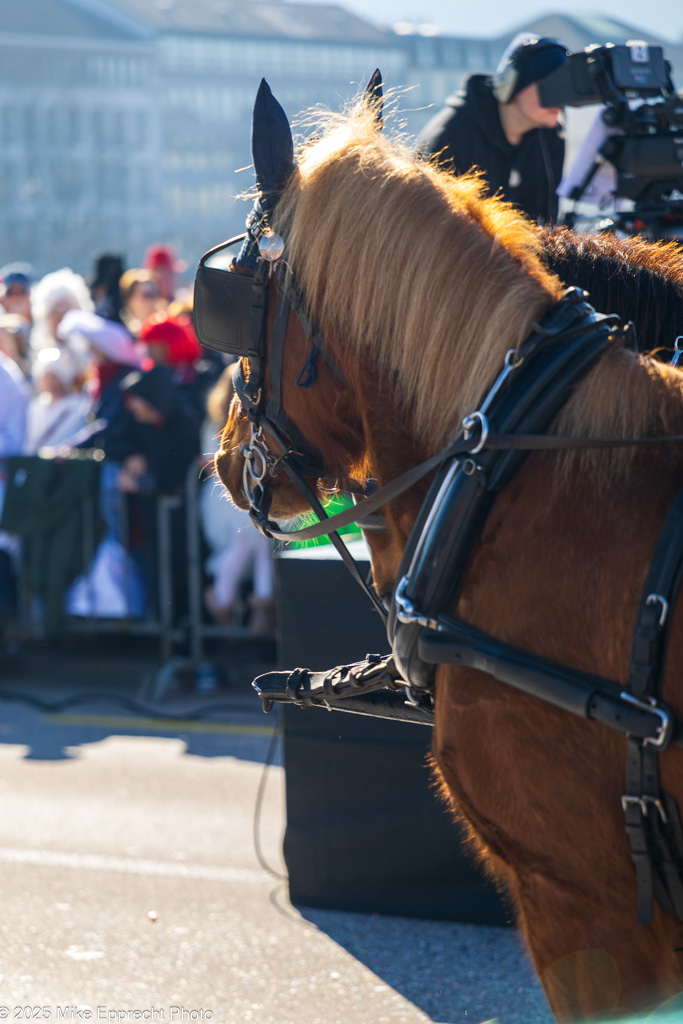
x,y
251,391
454,642
277,348
463,446
652,818
285,279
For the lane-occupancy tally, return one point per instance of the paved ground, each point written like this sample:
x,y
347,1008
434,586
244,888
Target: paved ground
x,y
130,881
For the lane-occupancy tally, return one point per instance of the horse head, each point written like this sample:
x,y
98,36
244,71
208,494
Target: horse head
x,y
313,400
288,382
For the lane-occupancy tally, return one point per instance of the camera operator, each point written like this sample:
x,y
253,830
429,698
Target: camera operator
x,y
497,124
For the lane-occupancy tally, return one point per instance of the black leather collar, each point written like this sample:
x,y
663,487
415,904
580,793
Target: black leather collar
x,y
555,357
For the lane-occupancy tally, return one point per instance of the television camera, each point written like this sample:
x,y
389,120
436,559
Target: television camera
x,y
643,130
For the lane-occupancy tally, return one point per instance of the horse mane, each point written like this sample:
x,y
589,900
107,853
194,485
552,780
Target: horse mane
x,y
423,277
385,248
641,280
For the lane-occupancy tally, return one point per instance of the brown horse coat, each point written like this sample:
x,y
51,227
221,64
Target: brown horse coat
x,y
418,307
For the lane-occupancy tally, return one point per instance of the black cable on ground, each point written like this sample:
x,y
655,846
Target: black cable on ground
x,y
112,697
258,806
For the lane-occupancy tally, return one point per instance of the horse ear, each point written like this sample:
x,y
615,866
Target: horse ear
x,y
271,144
374,97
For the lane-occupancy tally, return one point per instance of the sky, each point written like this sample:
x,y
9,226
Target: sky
x,y
494,17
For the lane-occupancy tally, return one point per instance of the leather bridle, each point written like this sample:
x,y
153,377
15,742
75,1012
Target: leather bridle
x,y
261,398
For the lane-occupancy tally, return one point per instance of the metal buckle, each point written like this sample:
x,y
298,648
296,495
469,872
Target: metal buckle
x,y
470,467
642,802
406,611
512,361
661,740
654,598
468,425
423,699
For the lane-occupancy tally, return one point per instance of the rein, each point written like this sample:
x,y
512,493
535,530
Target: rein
x,y
463,446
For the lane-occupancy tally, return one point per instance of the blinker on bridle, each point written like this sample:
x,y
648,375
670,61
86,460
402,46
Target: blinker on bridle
x,y
231,316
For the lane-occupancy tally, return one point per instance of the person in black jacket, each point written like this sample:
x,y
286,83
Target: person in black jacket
x,y
157,438
497,124
153,444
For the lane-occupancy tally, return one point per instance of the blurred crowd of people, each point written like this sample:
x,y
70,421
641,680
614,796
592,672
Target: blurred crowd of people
x,y
113,365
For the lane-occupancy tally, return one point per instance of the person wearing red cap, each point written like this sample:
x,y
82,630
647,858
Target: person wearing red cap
x,y
161,258
170,341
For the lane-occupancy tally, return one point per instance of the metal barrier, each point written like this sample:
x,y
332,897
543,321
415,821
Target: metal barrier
x,y
198,630
162,624
182,638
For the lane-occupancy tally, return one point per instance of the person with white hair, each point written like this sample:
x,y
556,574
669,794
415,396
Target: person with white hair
x,y
51,299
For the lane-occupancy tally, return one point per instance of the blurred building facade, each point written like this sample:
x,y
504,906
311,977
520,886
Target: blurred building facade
x,y
78,135
124,122
210,59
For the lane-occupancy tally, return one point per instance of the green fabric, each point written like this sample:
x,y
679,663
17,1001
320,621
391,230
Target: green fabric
x,y
44,506
334,505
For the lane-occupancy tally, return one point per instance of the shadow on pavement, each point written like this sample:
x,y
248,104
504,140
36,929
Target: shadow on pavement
x,y
53,700
452,972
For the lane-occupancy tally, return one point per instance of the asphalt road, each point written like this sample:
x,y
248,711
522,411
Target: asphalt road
x,y
130,888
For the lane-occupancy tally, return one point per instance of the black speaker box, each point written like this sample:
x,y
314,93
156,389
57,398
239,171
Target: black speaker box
x,y
365,830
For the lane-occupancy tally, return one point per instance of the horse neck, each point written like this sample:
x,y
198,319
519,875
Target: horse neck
x,y
624,396
447,384
416,381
